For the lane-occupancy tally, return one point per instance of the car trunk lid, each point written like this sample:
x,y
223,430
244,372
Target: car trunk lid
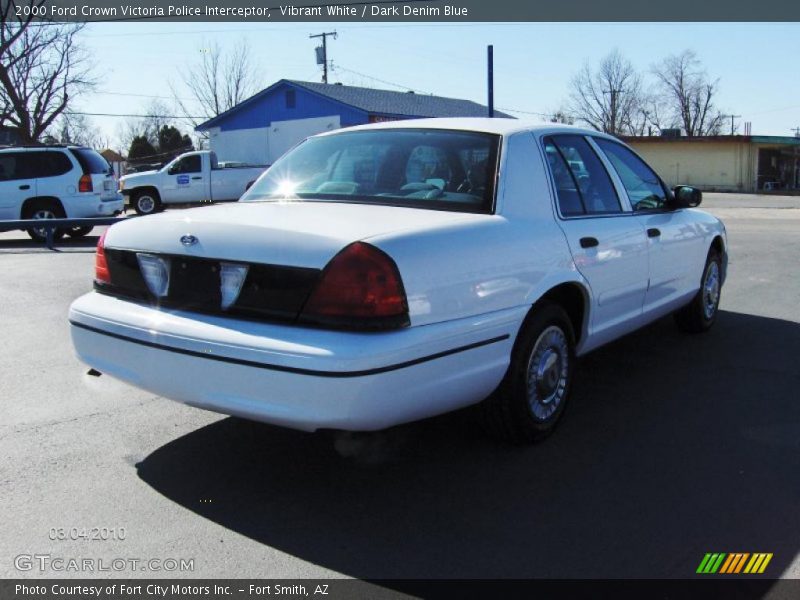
x,y
284,247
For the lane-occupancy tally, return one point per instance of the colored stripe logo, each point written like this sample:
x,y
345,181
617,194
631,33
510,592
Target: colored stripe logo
x,y
734,563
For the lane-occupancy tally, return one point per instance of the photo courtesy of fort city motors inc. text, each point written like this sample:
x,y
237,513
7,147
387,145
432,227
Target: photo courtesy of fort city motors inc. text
x,y
399,299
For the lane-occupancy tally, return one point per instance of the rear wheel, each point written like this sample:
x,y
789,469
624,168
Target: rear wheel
x,y
699,315
533,395
44,209
146,202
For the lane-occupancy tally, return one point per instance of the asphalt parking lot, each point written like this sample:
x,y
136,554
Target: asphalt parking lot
x,y
673,446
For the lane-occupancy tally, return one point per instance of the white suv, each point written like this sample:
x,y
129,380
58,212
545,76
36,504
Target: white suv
x,y
47,182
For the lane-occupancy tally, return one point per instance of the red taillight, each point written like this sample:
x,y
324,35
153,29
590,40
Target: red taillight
x,y
101,274
360,287
85,183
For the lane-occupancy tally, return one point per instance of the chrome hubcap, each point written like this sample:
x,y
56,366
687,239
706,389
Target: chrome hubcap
x,y
548,368
711,290
146,204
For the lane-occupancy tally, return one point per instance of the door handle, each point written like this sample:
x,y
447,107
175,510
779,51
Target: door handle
x,y
653,232
196,177
589,242
25,187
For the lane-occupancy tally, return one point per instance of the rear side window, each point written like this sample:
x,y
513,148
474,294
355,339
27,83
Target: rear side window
x,y
91,161
640,181
51,164
582,183
16,165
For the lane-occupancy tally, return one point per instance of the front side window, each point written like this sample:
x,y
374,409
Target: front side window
x,y
435,169
188,164
583,186
643,186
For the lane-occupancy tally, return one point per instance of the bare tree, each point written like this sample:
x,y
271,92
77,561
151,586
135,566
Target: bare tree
x,y
157,115
218,82
689,93
42,68
561,115
648,117
608,97
76,128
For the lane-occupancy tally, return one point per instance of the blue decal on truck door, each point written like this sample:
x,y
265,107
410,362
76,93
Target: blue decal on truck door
x,y
183,180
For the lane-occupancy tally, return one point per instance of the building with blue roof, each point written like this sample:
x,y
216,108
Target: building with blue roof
x,y
263,127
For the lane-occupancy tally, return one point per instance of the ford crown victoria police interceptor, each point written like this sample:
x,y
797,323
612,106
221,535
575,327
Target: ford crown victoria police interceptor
x,y
386,273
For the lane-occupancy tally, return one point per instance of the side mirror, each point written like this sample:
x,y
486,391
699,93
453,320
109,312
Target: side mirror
x,y
686,196
173,170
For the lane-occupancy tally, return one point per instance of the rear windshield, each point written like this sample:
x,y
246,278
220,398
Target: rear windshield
x,y
420,168
91,161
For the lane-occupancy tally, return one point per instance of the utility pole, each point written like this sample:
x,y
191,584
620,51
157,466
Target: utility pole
x,y
490,75
732,117
796,132
324,58
613,109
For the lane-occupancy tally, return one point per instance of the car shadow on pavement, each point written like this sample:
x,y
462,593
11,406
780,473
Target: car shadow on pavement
x,y
673,446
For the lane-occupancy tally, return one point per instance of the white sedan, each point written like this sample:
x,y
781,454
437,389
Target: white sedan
x,y
386,273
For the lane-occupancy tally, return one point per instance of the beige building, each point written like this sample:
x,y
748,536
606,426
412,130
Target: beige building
x,y
733,163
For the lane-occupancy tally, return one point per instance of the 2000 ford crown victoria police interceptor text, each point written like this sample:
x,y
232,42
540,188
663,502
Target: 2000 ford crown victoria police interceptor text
x,y
386,273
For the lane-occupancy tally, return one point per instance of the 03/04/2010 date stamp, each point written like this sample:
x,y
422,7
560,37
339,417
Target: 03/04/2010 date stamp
x,y
89,534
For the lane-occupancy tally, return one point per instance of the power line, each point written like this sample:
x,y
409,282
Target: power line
x,y
416,91
141,95
397,85
93,114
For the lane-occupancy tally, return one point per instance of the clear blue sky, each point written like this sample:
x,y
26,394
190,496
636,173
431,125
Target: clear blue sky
x,y
758,64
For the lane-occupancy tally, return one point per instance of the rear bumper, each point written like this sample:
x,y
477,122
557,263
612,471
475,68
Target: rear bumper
x,y
292,376
78,207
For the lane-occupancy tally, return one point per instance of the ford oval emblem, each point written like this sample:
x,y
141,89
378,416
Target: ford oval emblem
x,y
188,240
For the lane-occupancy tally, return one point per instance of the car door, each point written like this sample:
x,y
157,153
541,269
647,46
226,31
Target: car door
x,y
676,246
609,248
16,183
184,181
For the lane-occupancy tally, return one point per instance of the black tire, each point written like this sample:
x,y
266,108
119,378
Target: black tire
x,y
44,209
145,202
79,232
701,313
516,413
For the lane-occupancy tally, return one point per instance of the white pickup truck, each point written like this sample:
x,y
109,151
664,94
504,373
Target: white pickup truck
x,y
190,178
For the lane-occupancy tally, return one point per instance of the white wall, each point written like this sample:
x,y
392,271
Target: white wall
x,y
244,145
265,145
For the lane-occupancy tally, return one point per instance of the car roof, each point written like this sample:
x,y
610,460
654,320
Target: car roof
x,y
44,147
498,126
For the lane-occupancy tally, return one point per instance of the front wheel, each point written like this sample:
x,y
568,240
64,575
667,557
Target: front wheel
x,y
146,203
699,315
533,395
